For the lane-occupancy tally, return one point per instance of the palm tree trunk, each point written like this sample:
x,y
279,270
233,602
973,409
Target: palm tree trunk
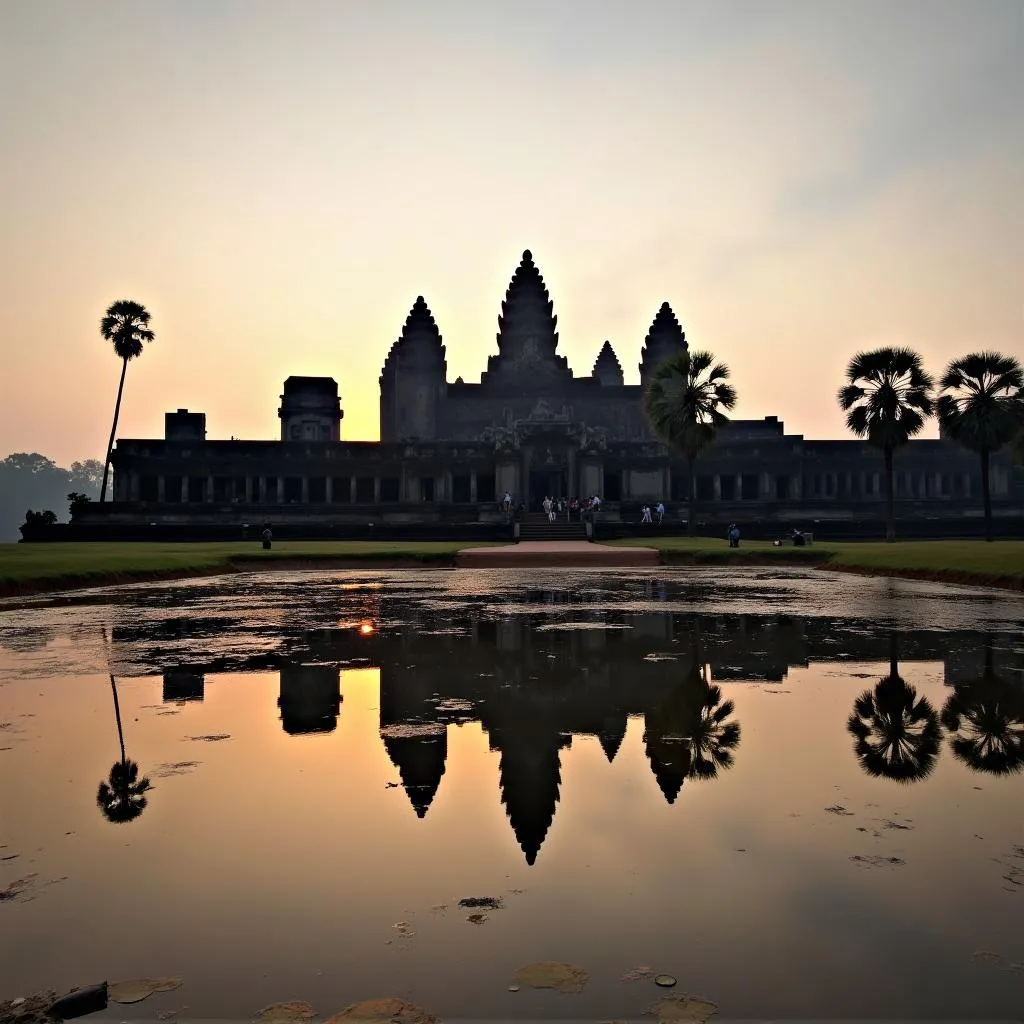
x,y
692,505
986,496
113,431
890,512
117,713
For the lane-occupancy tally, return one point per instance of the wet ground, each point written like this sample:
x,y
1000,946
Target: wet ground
x,y
798,794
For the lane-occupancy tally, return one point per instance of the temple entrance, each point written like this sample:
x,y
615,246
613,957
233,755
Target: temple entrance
x,y
547,483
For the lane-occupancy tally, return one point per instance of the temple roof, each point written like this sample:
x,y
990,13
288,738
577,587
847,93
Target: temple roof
x,y
607,368
665,338
419,346
527,335
420,761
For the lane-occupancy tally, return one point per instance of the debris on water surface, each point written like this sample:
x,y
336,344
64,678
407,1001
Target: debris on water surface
x,y
876,862
28,1009
412,730
142,988
638,974
513,988
22,890
665,981
404,929
171,1014
171,768
486,902
294,1012
476,918
211,738
840,810
683,1008
398,1011
996,959
564,978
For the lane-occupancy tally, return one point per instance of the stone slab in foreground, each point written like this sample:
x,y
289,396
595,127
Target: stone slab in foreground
x,y
568,554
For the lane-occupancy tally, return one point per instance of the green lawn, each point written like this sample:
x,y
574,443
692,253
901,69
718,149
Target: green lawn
x,y
1001,558
26,563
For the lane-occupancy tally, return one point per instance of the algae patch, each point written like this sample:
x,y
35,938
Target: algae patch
x,y
294,1012
684,1008
397,1011
565,978
142,988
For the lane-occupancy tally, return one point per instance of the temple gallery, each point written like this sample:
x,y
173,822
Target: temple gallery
x,y
449,450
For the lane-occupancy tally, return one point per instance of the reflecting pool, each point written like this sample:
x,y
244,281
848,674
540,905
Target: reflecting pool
x,y
799,794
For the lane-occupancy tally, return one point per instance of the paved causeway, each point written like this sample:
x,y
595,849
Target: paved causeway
x,y
560,553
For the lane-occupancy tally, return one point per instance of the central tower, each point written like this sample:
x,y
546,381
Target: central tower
x,y
527,335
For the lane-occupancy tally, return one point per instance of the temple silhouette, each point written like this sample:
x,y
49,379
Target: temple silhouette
x,y
449,450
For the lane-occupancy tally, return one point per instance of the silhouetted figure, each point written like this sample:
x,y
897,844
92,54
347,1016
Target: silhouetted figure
x,y
985,719
734,536
799,540
268,536
897,733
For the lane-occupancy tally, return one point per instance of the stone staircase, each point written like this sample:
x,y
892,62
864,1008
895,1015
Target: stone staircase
x,y
535,526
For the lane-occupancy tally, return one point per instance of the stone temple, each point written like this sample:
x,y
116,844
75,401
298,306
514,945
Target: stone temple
x,y
449,450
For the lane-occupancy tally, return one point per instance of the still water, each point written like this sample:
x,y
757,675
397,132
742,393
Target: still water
x,y
800,794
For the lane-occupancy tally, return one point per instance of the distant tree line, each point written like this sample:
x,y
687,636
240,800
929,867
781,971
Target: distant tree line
x,y
32,483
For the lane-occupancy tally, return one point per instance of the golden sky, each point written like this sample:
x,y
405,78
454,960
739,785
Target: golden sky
x,y
278,182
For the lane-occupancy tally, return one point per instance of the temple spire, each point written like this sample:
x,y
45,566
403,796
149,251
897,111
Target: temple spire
x,y
665,338
607,368
527,330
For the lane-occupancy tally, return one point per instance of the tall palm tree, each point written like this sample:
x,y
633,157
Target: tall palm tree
x,y
897,733
126,326
985,720
122,797
979,406
886,399
684,403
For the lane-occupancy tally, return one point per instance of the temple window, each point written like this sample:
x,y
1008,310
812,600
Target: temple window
x,y
613,485
750,487
485,487
172,489
222,488
296,432
781,487
364,490
389,486
148,488
460,487
728,484
196,488
426,488
341,489
317,490
292,489
705,487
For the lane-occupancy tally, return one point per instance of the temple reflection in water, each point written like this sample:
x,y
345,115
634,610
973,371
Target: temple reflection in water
x,y
541,669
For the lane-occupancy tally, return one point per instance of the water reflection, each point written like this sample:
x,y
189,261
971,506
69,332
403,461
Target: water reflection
x,y
985,720
122,797
897,733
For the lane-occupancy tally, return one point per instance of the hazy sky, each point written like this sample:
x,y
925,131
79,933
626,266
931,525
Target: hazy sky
x,y
277,182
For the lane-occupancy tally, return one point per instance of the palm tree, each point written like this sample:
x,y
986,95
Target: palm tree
x,y
897,733
126,326
985,719
122,797
979,406
684,403
886,401
689,736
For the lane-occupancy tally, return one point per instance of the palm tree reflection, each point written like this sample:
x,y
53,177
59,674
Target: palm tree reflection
x,y
897,733
122,797
689,736
985,720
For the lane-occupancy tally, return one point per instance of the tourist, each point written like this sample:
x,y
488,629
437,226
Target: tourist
x,y
646,516
595,503
507,502
268,536
734,536
799,540
661,511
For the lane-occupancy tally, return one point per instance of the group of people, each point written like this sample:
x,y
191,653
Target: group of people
x,y
659,511
571,507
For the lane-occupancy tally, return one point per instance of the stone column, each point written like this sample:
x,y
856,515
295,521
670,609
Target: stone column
x,y
279,496
249,489
305,490
472,486
765,490
161,487
376,490
352,489
209,487
184,488
716,483
737,487
329,489
133,486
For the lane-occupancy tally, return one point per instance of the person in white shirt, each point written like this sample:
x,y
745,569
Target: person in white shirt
x,y
661,511
646,518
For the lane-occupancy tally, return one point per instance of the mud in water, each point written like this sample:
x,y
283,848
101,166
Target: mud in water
x,y
494,795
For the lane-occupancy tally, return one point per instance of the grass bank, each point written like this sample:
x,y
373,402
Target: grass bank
x,y
36,568
998,564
